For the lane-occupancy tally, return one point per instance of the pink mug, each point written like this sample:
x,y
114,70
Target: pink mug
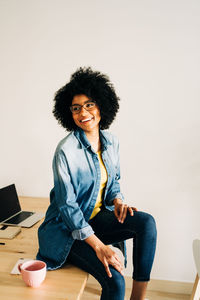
x,y
33,272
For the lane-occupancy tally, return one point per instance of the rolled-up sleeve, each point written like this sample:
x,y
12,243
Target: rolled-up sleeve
x,y
65,198
82,234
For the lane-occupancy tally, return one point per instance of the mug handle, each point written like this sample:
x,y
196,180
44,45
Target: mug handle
x,y
19,267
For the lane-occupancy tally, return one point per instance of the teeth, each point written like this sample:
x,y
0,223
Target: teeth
x,y
86,120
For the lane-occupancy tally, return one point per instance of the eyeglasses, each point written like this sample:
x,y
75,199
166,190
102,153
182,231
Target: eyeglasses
x,y
76,108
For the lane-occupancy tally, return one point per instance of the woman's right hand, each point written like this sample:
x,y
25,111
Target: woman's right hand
x,y
108,257
105,254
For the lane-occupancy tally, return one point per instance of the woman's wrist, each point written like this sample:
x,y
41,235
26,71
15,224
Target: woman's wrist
x,y
94,242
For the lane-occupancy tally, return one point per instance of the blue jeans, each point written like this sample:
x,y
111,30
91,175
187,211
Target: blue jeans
x,y
140,227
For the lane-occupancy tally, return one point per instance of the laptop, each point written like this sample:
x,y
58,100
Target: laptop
x,y
10,209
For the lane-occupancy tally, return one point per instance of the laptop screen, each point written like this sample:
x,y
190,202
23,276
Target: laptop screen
x,y
9,202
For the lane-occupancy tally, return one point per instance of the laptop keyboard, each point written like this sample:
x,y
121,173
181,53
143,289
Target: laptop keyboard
x,y
20,217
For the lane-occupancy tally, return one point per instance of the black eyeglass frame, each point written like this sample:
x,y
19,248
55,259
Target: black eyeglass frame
x,y
79,107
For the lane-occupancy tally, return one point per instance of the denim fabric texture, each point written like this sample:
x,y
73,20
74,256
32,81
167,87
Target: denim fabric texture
x,y
140,227
77,178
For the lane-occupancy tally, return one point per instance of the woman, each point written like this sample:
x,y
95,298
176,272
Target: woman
x,y
86,212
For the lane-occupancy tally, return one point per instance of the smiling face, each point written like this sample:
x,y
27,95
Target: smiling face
x,y
86,120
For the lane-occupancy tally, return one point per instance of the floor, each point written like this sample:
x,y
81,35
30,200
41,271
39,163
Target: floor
x,y
92,292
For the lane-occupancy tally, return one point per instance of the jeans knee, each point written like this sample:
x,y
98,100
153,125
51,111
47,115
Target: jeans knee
x,y
115,286
150,226
147,225
117,281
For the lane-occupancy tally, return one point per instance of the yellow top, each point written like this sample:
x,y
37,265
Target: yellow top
x,y
104,178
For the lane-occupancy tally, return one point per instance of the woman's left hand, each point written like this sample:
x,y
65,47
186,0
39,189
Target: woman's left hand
x,y
121,210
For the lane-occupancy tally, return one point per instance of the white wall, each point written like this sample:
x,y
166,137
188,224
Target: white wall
x,y
150,49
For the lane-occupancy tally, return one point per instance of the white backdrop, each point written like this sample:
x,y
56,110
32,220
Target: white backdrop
x,y
150,50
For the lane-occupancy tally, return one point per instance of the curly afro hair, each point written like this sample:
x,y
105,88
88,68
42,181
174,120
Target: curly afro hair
x,y
95,86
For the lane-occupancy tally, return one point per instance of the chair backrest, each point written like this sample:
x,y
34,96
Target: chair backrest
x,y
196,253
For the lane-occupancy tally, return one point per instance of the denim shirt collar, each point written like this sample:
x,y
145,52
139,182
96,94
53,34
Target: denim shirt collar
x,y
84,143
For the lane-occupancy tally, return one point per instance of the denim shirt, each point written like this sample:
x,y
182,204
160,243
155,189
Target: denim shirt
x,y
77,179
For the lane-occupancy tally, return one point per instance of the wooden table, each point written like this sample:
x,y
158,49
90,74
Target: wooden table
x,y
66,283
